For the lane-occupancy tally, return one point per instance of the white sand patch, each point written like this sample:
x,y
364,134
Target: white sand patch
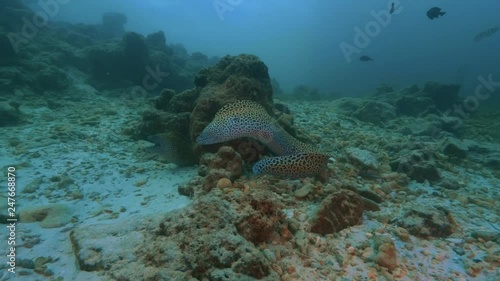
x,y
86,164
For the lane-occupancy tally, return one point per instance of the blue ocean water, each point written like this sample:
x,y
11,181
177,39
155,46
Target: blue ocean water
x,y
300,41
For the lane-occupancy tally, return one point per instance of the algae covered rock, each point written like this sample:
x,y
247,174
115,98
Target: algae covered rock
x,y
336,212
385,252
211,222
226,163
49,216
261,218
51,79
428,222
419,164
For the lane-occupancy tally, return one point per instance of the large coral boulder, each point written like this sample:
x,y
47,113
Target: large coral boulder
x,y
337,211
113,62
186,114
444,95
244,77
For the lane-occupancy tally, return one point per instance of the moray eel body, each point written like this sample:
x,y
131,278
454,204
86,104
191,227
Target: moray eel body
x,y
249,119
294,165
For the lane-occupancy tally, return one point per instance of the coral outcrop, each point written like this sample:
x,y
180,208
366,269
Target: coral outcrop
x,y
187,113
225,228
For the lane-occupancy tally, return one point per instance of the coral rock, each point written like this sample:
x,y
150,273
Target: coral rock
x,y
363,158
261,217
385,252
428,222
336,212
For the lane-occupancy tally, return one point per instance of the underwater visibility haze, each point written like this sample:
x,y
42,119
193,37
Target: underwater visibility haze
x,y
250,140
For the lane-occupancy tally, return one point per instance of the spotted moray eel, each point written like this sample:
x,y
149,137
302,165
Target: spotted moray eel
x,y
249,119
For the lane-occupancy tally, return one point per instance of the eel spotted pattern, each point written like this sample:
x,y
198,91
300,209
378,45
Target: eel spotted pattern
x,y
249,119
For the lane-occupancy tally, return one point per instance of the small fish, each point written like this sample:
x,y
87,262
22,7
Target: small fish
x,y
392,8
434,13
365,58
487,33
171,148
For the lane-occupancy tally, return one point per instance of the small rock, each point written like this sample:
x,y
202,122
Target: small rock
x,y
449,183
224,183
402,234
32,186
49,216
455,148
459,250
486,235
369,205
371,195
427,222
303,191
363,158
385,254
141,182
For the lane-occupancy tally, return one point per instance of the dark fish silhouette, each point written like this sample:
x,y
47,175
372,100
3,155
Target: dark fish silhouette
x,y
392,8
434,13
365,58
487,33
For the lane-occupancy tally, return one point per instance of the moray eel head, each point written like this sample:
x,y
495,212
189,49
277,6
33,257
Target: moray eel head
x,y
235,120
249,119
